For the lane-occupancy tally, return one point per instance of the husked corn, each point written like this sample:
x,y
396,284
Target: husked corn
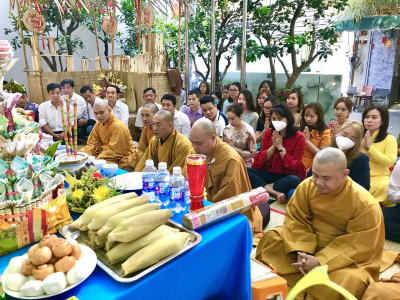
x,y
137,226
155,252
101,217
123,251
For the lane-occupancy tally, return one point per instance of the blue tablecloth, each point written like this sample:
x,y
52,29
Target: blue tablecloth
x,y
217,268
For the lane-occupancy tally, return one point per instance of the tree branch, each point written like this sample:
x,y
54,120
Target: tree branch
x,y
229,58
284,67
206,62
291,32
195,66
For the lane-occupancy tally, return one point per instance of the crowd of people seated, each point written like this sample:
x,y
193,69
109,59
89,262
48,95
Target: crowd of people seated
x,y
285,147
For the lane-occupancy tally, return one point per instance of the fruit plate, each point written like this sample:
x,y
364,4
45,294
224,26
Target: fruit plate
x,y
88,256
115,270
129,182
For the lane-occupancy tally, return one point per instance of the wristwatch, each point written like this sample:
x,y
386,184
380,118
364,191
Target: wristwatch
x,y
282,150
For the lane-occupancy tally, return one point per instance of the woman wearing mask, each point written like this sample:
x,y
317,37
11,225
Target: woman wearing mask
x,y
234,91
219,101
295,103
349,139
267,85
264,122
317,134
250,116
342,109
278,166
381,148
239,134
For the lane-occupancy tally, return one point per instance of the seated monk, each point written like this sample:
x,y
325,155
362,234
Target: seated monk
x,y
330,220
147,113
167,145
226,171
110,139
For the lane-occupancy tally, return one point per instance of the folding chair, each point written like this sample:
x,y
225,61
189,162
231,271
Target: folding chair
x,y
381,96
367,97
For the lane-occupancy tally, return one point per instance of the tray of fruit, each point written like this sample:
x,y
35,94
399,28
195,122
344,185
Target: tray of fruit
x,y
51,267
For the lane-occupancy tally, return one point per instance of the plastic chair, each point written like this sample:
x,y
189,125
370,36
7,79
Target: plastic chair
x,y
381,96
351,91
263,289
367,97
318,275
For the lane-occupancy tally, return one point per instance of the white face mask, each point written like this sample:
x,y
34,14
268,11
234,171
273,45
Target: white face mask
x,y
344,143
279,125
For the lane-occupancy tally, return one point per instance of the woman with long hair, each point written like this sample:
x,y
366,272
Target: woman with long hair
x,y
267,85
294,101
219,101
264,122
381,148
278,166
315,130
204,89
250,116
225,92
261,96
239,134
234,91
342,109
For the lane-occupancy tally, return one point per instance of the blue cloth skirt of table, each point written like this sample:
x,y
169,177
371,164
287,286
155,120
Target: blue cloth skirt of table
x,y
217,268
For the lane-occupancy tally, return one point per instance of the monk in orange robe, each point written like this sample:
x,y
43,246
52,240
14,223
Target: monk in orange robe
x,y
147,113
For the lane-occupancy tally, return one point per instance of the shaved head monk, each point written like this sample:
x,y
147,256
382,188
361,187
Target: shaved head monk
x,y
167,145
226,171
147,113
110,139
330,220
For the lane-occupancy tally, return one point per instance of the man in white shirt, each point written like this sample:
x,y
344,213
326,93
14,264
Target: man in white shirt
x,y
90,97
68,88
181,121
149,96
391,215
119,109
211,112
50,113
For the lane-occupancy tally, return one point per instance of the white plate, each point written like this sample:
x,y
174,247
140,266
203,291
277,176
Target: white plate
x,y
129,181
88,256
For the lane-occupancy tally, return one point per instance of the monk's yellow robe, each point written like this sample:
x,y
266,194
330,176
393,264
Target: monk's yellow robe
x,y
382,156
343,229
145,137
173,151
112,141
227,177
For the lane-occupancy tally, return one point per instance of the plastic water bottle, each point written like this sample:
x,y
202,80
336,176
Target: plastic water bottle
x,y
177,185
187,195
149,177
162,185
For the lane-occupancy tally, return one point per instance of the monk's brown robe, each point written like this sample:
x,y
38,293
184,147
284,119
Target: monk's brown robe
x,y
112,141
343,229
145,137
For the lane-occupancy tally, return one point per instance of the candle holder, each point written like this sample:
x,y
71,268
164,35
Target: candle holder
x,y
196,174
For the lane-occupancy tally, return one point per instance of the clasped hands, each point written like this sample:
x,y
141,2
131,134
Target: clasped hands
x,y
306,262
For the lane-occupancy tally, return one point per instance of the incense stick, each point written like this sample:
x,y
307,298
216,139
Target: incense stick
x,y
75,127
69,124
64,127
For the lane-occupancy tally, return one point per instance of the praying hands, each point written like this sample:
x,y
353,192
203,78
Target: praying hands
x,y
306,262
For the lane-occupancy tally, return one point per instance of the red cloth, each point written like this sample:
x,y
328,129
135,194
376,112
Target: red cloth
x,y
292,163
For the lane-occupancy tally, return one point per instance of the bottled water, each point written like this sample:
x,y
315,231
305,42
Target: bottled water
x,y
187,195
177,185
149,176
162,185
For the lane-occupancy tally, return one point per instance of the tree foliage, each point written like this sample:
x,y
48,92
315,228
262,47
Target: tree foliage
x,y
66,41
274,29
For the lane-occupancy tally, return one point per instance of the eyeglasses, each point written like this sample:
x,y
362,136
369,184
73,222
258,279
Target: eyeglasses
x,y
233,90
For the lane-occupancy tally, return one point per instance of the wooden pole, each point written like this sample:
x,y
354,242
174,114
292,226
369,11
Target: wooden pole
x,y
187,75
179,35
22,37
213,66
244,40
112,51
95,32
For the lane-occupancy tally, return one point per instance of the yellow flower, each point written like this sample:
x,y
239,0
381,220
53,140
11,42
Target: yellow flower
x,y
100,193
78,194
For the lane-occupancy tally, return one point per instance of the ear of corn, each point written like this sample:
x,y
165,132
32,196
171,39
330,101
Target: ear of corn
x,y
84,220
123,251
102,216
110,245
137,226
155,252
114,221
